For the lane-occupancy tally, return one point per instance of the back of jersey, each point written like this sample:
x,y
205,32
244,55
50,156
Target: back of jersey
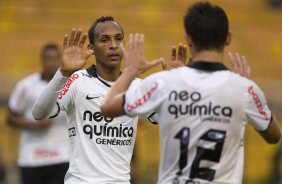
x,y
202,126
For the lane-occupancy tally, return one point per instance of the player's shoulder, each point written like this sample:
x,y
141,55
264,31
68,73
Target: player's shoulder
x,y
235,77
30,79
170,74
83,74
244,83
153,78
136,81
162,74
79,75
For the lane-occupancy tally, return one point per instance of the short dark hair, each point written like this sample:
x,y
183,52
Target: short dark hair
x,y
207,25
91,31
49,46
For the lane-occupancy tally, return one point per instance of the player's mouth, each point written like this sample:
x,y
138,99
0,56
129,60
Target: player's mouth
x,y
114,56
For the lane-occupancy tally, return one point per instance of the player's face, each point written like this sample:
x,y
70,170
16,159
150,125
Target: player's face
x,y
51,61
108,37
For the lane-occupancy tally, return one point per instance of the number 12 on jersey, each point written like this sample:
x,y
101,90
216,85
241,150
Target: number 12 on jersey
x,y
216,137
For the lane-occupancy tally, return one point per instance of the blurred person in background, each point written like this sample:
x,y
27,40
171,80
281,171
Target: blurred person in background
x,y
203,107
43,151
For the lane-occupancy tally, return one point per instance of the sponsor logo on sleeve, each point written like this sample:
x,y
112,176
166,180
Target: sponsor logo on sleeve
x,y
258,102
67,85
141,100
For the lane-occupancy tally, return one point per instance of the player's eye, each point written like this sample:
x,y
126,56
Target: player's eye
x,y
119,38
104,40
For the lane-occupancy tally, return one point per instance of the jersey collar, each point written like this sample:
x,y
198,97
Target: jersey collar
x,y
92,71
207,66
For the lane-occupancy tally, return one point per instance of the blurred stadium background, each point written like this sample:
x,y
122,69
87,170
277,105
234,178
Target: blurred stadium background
x,y
257,33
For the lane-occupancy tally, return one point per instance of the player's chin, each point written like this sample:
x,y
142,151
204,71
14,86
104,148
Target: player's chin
x,y
114,63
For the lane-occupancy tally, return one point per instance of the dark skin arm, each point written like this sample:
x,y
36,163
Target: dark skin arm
x,y
272,134
73,58
17,120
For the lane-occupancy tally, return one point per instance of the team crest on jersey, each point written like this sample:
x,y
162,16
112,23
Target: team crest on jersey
x,y
86,75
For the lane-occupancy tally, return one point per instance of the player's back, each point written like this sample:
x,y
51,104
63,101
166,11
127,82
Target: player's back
x,y
202,125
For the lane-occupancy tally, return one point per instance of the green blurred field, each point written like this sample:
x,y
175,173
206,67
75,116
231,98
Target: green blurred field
x,y
257,33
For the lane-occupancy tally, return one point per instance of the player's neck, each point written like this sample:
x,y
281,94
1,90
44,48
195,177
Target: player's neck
x,y
208,56
106,73
45,76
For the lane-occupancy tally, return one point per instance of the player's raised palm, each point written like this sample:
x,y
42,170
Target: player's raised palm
x,y
176,61
239,64
73,59
134,59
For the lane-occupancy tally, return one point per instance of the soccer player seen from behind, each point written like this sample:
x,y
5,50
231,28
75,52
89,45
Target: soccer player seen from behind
x,y
203,107
100,147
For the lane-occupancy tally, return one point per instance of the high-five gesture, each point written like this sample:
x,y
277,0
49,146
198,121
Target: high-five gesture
x,y
239,64
73,59
134,59
176,61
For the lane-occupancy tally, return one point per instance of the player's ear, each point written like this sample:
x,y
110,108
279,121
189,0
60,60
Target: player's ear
x,y
189,40
90,47
228,38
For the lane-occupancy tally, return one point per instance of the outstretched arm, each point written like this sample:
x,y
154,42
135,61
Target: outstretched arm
x,y
73,60
45,105
135,65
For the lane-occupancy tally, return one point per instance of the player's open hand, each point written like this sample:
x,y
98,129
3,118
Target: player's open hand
x,y
135,61
177,58
73,59
239,64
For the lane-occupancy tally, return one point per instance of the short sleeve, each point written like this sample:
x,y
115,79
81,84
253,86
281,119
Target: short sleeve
x,y
18,98
67,96
257,110
144,97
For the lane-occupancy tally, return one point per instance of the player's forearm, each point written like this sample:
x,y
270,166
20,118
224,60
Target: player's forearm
x,y
112,105
45,105
20,122
273,133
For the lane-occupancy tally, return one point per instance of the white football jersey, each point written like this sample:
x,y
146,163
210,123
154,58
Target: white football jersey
x,y
203,110
38,147
101,147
